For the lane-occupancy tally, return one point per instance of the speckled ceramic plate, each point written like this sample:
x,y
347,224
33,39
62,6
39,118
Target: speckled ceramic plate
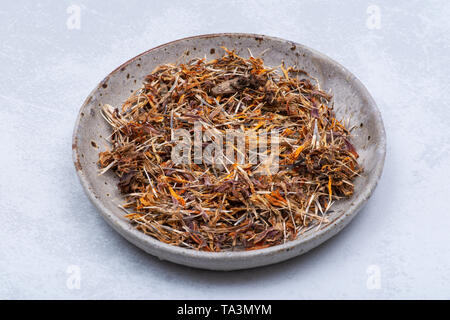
x,y
351,100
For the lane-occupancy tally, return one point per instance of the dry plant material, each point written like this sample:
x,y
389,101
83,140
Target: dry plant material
x,y
196,206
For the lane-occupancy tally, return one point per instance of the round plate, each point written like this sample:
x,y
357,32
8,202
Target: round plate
x,y
351,101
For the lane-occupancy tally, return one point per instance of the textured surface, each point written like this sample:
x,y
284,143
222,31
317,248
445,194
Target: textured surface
x,y
397,247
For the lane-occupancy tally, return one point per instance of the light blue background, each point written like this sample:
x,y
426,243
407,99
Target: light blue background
x,y
47,223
